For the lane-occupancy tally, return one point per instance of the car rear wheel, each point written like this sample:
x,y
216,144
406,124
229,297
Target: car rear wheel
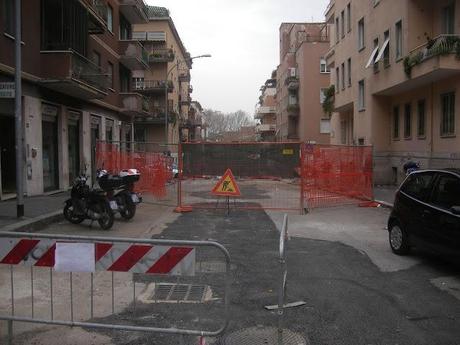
x,y
399,242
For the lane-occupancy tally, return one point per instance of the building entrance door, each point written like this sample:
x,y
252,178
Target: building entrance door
x,y
74,146
7,156
50,153
95,136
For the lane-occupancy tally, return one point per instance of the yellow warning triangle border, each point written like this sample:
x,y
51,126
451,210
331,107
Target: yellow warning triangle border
x,y
219,188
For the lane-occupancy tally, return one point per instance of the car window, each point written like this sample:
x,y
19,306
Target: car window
x,y
446,192
418,185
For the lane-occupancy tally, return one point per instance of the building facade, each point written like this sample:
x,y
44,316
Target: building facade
x,y
78,60
396,71
166,84
266,111
302,77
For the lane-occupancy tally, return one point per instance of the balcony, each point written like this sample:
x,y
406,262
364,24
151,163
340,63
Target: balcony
x,y
431,62
133,55
262,111
97,14
134,11
156,116
70,73
265,128
134,104
161,55
184,100
292,83
152,86
191,123
184,77
293,110
190,89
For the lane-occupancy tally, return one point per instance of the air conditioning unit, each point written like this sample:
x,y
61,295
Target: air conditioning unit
x,y
292,72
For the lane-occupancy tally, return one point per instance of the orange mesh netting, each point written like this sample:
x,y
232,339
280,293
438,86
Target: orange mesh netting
x,y
155,168
336,175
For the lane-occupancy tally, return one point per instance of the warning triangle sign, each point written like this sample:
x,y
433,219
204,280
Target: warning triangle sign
x,y
226,186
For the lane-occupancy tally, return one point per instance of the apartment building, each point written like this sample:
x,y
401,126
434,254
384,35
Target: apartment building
x,y
77,59
266,111
396,75
166,83
195,122
302,77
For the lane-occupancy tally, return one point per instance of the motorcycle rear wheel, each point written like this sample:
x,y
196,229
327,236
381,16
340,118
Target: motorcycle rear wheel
x,y
130,209
70,216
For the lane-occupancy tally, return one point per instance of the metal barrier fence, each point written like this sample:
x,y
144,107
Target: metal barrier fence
x,y
336,175
155,161
114,279
266,174
283,278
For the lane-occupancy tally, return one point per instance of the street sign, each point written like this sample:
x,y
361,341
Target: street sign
x,y
7,90
226,186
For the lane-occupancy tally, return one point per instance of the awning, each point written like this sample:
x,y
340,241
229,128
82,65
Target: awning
x,y
382,50
372,57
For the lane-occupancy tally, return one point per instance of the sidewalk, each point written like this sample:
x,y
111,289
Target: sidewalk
x,y
385,194
37,208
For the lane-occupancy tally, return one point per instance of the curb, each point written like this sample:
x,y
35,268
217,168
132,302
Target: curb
x,y
385,204
34,224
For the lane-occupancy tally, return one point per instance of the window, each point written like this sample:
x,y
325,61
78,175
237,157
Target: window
x,y
446,192
110,73
349,17
361,34
8,16
418,185
361,141
399,38
361,102
337,30
386,48
349,71
407,121
322,95
396,122
337,80
448,17
421,118
342,18
110,18
343,76
96,58
323,66
325,126
125,29
374,55
448,114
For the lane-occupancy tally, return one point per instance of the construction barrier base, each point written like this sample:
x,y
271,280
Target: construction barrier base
x,y
183,209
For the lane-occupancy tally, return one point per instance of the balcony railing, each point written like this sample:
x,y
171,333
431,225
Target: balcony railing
x,y
161,55
71,73
152,85
292,83
266,128
133,55
438,46
135,104
135,11
97,11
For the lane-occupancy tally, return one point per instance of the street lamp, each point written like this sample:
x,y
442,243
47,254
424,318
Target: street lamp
x,y
166,88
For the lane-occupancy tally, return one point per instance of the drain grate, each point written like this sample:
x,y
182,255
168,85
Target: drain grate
x,y
166,292
262,336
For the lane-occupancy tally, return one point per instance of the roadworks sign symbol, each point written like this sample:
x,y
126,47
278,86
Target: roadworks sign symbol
x,y
226,186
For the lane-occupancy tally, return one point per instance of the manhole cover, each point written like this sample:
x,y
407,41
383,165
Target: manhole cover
x,y
181,293
263,336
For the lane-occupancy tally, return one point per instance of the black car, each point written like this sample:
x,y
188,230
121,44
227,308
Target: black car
x,y
426,213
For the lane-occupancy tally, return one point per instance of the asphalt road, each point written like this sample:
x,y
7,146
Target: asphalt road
x,y
353,294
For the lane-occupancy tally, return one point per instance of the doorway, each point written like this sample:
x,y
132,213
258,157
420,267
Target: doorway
x,y
50,153
74,146
95,136
7,156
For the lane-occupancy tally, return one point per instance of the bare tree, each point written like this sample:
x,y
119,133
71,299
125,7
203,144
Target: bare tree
x,y
218,123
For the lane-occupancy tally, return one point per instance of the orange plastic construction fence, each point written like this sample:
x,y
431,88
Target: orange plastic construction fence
x,y
336,175
155,167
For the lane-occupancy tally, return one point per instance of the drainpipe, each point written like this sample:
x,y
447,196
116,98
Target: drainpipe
x,y
431,122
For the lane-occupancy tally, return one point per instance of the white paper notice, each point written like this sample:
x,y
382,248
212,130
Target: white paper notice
x,y
74,257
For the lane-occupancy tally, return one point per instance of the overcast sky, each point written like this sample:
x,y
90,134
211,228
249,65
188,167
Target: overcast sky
x,y
242,37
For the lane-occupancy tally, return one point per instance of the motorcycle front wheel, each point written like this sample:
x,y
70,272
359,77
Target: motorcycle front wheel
x,y
107,217
70,216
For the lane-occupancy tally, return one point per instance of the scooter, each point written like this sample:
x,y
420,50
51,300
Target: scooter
x,y
88,203
120,190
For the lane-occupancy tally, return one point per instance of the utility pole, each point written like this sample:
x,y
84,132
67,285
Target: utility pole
x,y
18,113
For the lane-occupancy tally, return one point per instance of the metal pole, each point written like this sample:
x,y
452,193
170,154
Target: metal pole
x,y
18,114
166,108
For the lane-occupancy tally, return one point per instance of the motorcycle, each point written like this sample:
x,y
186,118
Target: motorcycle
x,y
88,203
120,190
